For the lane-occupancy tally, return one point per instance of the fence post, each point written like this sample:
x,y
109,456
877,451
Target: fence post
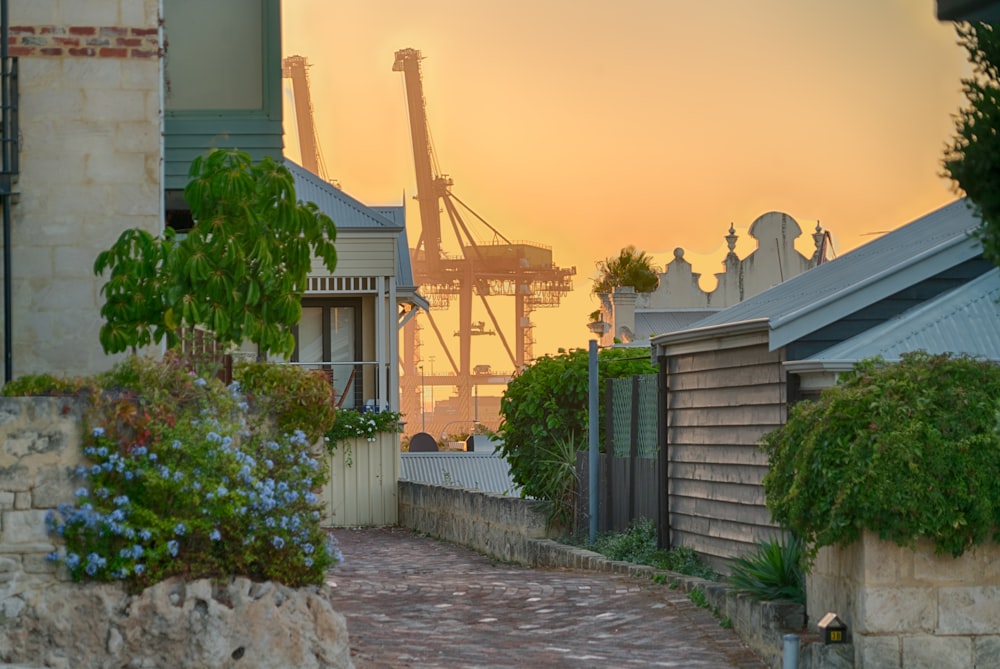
x,y
663,454
592,405
633,453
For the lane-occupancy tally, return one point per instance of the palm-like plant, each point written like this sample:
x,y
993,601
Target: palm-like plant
x,y
773,571
631,267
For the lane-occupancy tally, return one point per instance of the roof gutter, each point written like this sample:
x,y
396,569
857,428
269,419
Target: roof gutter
x,y
707,335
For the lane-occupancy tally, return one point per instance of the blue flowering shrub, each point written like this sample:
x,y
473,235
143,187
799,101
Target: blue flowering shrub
x,y
179,485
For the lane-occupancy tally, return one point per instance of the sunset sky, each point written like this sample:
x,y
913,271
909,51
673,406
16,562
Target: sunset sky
x,y
587,125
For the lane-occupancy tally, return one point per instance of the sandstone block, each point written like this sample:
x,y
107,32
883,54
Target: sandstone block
x,y
877,652
936,652
24,527
893,610
987,651
968,610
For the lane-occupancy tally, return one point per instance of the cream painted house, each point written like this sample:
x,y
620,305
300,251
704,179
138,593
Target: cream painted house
x,y
114,98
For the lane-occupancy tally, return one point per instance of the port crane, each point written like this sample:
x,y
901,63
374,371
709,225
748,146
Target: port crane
x,y
481,269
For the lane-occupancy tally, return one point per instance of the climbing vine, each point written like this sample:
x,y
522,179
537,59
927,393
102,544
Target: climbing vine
x,y
908,450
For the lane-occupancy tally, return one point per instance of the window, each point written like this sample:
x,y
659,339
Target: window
x,y
329,338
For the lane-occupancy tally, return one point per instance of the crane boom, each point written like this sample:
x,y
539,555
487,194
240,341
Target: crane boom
x,y
430,187
295,68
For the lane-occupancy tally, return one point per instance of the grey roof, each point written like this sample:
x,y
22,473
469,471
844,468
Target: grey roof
x,y
649,323
919,250
965,320
347,213
488,472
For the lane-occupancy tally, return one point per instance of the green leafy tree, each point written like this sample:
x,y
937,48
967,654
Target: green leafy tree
x,y
630,267
972,159
546,404
908,450
239,273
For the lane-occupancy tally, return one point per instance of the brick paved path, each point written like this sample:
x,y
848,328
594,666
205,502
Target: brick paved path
x,y
411,601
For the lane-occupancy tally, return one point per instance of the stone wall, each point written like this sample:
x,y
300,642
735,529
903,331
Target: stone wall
x,y
911,608
90,88
39,449
504,527
47,620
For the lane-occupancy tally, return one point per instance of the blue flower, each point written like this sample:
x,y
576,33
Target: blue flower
x,y
172,546
221,492
137,551
53,556
98,432
72,560
121,500
176,444
145,535
95,470
139,569
215,535
278,542
308,549
200,382
179,529
139,451
308,562
81,492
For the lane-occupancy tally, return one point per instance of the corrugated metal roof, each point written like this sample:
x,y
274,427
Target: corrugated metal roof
x,y
835,289
653,322
964,320
346,212
487,472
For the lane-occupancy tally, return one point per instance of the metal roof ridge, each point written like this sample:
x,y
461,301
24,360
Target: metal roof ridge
x,y
911,261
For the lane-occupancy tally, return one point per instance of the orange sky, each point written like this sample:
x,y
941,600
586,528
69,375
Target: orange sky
x,y
587,125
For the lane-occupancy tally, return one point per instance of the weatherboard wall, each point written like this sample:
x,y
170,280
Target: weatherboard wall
x,y
719,403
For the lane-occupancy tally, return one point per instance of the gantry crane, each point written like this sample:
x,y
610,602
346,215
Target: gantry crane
x,y
499,267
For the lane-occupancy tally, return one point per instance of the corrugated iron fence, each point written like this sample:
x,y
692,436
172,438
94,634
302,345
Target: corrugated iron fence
x,y
628,477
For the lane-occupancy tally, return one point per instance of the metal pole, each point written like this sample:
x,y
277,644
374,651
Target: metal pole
x,y
8,142
423,402
790,656
594,459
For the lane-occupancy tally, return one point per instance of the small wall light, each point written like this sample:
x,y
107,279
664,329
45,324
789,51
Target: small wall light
x,y
833,628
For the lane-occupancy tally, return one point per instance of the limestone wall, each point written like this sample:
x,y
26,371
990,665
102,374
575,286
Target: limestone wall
x,y
911,608
91,161
504,527
39,449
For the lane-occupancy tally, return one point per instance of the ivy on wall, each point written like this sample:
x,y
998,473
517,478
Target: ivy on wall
x,y
908,450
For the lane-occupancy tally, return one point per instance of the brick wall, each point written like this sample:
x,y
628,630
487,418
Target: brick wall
x,y
91,164
84,41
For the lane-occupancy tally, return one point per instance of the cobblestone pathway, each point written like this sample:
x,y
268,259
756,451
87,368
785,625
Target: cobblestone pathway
x,y
411,601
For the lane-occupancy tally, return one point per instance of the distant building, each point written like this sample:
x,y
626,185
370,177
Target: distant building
x,y
678,301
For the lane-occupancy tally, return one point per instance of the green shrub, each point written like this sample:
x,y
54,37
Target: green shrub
x,y
294,398
177,485
772,571
908,450
638,544
45,384
549,399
